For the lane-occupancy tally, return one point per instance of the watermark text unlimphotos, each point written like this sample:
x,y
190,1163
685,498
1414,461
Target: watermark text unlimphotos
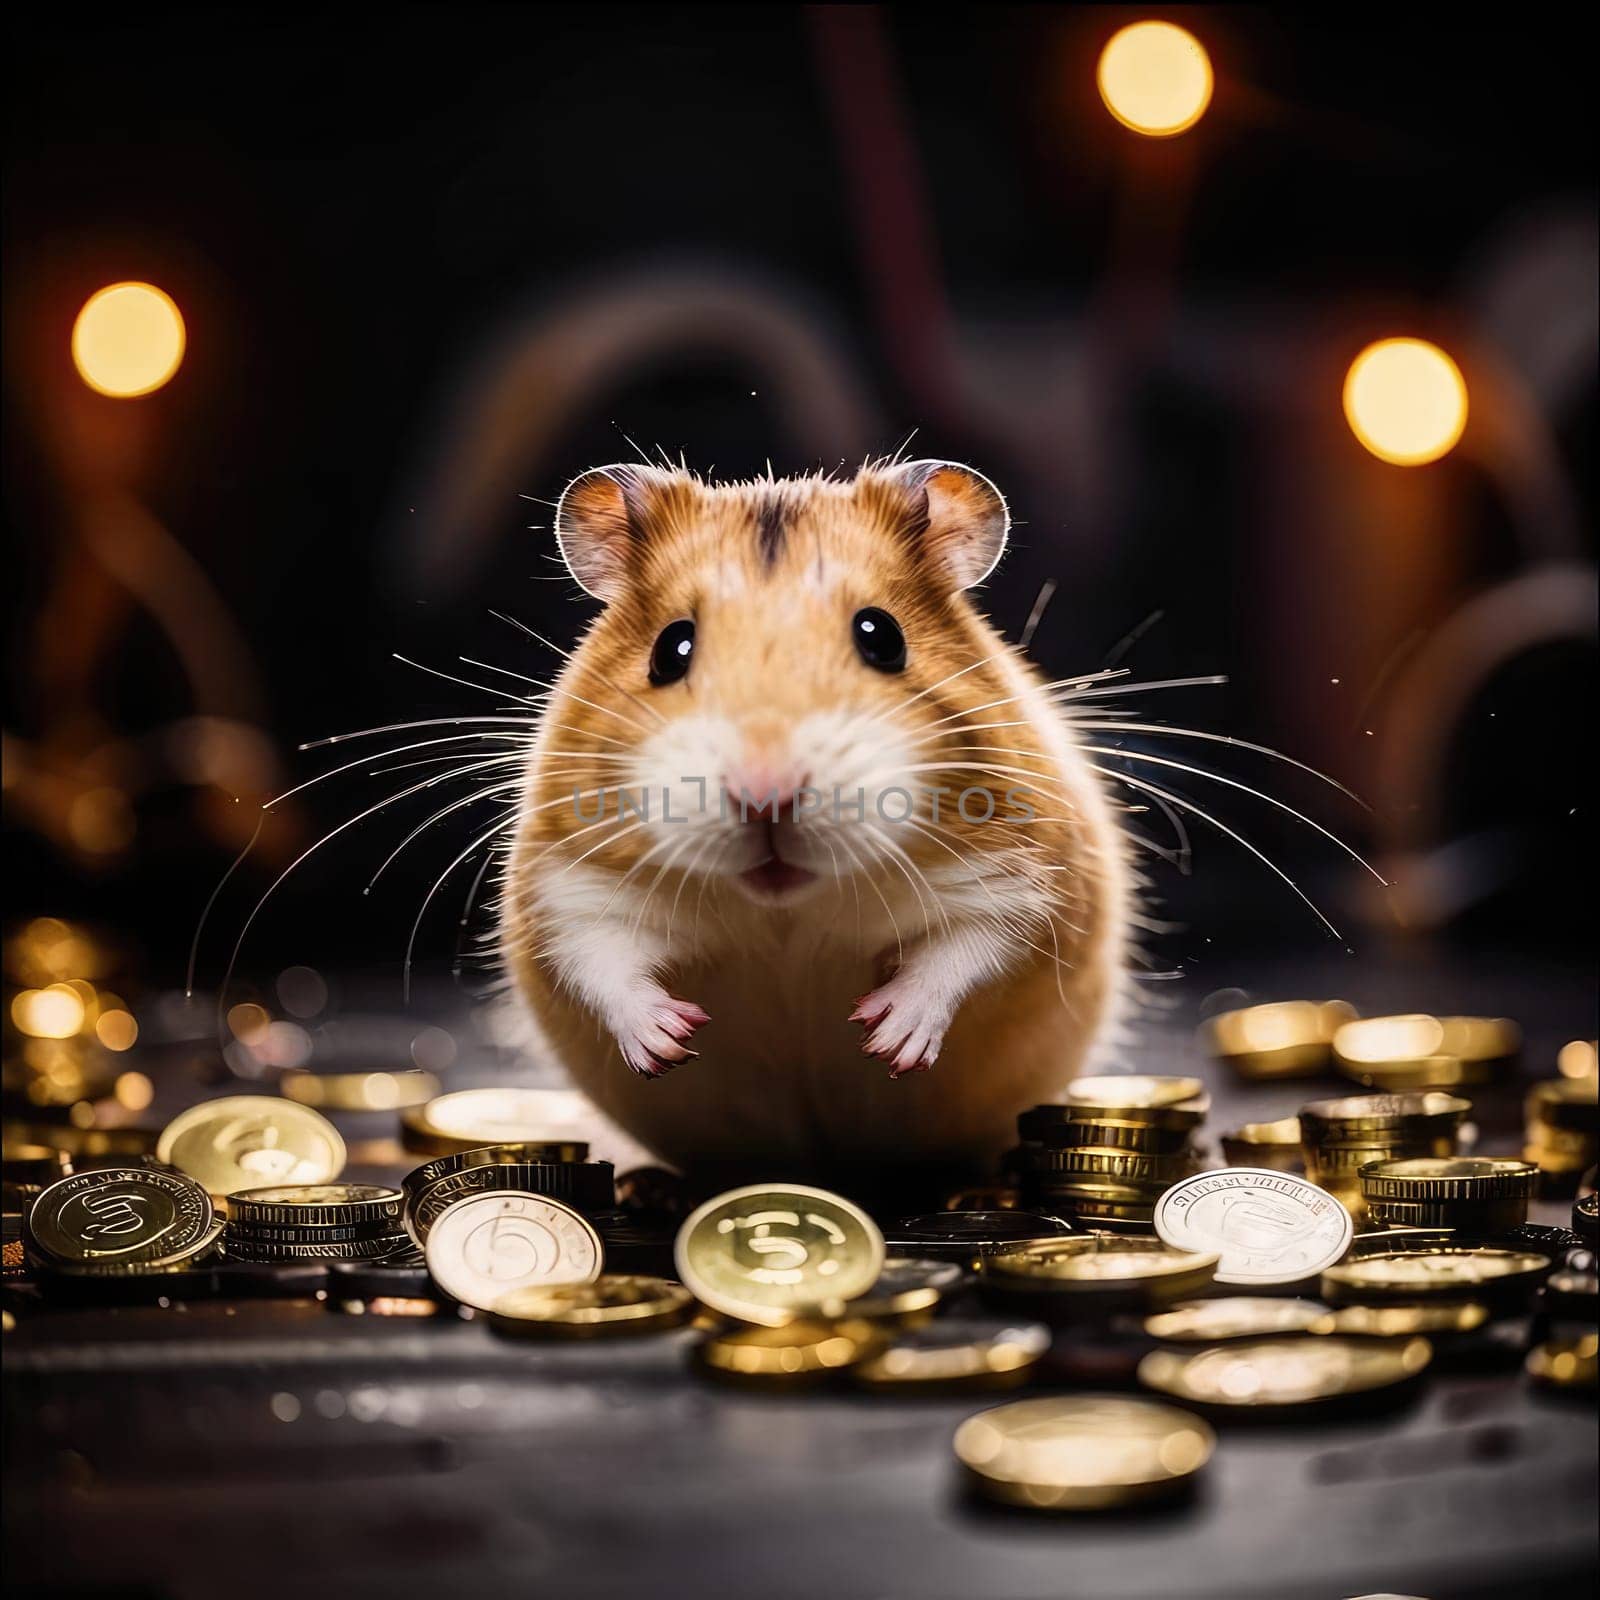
x,y
891,805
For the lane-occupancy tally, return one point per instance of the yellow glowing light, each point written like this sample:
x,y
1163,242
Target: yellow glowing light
x,y
134,1091
1406,401
53,1013
1155,78
1579,1059
128,340
116,1030
248,1023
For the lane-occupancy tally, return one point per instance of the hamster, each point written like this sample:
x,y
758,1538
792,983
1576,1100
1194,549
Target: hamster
x,y
715,909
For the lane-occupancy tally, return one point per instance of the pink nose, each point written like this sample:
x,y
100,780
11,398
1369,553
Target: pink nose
x,y
756,796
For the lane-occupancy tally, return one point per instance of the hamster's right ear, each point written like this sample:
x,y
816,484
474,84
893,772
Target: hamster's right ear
x,y
599,523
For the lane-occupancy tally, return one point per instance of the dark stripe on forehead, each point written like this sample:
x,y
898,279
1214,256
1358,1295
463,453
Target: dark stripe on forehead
x,y
771,524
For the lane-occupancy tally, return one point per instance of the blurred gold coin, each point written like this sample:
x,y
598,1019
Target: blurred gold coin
x,y
359,1091
472,1118
1287,1039
908,1290
1088,1264
1081,1452
1399,1322
1565,1363
1376,1042
1135,1097
1264,1144
956,1353
796,1352
1283,1372
1452,1272
1239,1317
1348,1119
614,1303
768,1252
247,1141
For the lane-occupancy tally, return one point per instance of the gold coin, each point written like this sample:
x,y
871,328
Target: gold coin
x,y
1264,1144
1449,1179
1426,1072
310,1206
1081,1452
1135,1097
359,1091
1380,1041
1391,1116
175,1261
485,1246
1097,1270
908,1291
1283,1372
614,1303
767,1252
246,1141
1481,1219
1449,1271
796,1352
1570,1104
1240,1317
472,1118
1288,1039
111,1214
956,1353
1398,1322
1565,1363
1104,1164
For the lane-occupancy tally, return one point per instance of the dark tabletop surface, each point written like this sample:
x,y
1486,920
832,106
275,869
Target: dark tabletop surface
x,y
274,1447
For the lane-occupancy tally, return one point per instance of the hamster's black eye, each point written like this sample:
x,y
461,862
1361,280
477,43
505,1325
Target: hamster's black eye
x,y
879,639
669,660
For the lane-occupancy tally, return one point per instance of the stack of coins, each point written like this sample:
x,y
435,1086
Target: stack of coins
x,y
1291,1039
555,1170
1562,1133
1104,1157
1340,1137
316,1222
1479,1197
1421,1052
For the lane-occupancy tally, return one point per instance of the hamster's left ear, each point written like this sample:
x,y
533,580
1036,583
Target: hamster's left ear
x,y
962,516
599,524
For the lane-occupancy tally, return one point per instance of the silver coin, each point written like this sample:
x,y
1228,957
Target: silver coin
x,y
1268,1227
483,1247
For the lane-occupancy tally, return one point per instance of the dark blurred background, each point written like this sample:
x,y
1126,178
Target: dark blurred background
x,y
433,261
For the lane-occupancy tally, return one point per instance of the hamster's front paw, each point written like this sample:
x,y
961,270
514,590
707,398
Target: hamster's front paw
x,y
653,1033
905,1025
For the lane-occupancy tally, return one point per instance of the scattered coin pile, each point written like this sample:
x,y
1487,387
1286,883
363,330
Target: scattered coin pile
x,y
1113,1261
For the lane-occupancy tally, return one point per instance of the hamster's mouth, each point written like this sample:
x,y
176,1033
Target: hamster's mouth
x,y
773,878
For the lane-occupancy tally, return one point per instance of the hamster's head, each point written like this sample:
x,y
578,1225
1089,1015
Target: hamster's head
x,y
782,675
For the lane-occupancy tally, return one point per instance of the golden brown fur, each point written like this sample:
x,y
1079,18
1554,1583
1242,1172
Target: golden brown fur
x,y
999,943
